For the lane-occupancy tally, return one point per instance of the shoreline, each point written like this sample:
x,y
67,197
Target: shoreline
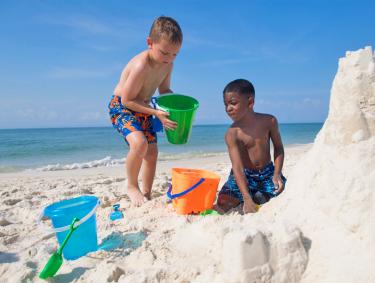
x,y
119,163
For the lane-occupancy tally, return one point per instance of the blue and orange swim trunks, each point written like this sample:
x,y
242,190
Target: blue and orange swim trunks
x,y
126,121
260,185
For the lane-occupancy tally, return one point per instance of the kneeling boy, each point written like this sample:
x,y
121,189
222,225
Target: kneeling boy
x,y
254,179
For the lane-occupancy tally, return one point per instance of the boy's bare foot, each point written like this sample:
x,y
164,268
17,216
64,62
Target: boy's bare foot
x,y
136,197
147,195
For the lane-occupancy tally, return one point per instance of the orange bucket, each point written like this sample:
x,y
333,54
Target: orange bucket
x,y
192,190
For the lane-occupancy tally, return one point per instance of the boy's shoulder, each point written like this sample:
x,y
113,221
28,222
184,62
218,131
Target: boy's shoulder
x,y
266,119
231,134
265,116
139,62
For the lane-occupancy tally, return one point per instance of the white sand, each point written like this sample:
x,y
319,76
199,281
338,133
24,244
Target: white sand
x,y
176,248
335,180
321,229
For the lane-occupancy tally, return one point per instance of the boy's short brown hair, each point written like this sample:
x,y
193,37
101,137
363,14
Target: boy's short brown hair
x,y
166,28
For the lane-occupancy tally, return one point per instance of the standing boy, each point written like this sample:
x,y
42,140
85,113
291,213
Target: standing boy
x,y
253,179
129,108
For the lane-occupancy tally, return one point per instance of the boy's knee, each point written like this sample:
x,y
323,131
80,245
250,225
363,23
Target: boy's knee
x,y
226,202
140,148
221,200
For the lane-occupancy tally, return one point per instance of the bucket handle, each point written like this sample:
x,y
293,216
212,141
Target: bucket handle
x,y
153,101
173,196
155,104
66,228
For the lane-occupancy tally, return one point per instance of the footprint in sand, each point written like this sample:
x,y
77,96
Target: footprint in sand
x,y
68,193
31,264
116,274
156,194
11,201
11,240
30,273
87,191
119,179
5,222
105,203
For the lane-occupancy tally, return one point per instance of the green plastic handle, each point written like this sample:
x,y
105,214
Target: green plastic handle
x,y
72,228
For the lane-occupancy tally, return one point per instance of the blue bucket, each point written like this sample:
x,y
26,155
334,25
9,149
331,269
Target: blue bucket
x,y
84,239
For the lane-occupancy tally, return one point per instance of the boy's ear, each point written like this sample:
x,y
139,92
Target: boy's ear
x,y
251,100
149,42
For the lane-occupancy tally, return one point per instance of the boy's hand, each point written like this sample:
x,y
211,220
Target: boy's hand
x,y
168,124
278,183
249,206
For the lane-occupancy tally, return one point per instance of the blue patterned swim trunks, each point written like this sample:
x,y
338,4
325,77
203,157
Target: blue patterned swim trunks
x,y
260,185
126,121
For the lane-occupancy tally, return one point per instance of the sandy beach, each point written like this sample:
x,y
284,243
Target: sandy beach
x,y
320,229
91,90
25,246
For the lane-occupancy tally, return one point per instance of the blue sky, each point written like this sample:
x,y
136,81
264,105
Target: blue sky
x,y
60,60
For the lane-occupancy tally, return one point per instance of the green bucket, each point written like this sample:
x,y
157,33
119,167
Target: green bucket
x,y
182,110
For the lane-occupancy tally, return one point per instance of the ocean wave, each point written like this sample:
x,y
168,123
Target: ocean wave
x,y
105,162
109,161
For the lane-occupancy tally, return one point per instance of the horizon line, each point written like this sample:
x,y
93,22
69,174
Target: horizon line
x,y
109,126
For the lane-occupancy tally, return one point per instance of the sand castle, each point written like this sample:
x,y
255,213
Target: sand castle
x,y
335,179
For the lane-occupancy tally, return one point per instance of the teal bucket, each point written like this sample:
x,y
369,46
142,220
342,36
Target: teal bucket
x,y
181,109
84,239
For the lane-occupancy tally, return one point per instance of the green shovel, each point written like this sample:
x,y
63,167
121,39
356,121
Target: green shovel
x,y
55,261
209,212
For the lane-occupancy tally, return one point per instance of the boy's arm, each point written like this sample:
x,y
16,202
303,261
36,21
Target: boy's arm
x,y
164,87
129,97
130,90
238,170
278,155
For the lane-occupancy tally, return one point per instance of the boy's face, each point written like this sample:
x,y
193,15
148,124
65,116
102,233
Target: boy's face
x,y
163,52
237,105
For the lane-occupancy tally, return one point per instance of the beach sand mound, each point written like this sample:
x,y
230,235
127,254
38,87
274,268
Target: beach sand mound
x,y
332,186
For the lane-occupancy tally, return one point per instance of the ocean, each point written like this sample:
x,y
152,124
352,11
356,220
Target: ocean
x,y
72,148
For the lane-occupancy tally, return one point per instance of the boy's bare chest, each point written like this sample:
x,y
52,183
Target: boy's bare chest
x,y
152,81
253,136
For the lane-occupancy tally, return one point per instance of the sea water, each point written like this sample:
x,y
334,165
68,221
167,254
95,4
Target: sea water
x,y
72,148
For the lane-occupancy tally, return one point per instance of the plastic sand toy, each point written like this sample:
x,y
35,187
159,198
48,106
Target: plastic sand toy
x,y
55,261
116,213
209,212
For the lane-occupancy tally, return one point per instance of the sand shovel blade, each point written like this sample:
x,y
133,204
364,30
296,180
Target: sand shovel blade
x,y
53,265
55,261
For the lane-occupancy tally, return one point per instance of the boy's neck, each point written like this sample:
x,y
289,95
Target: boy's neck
x,y
251,115
153,63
